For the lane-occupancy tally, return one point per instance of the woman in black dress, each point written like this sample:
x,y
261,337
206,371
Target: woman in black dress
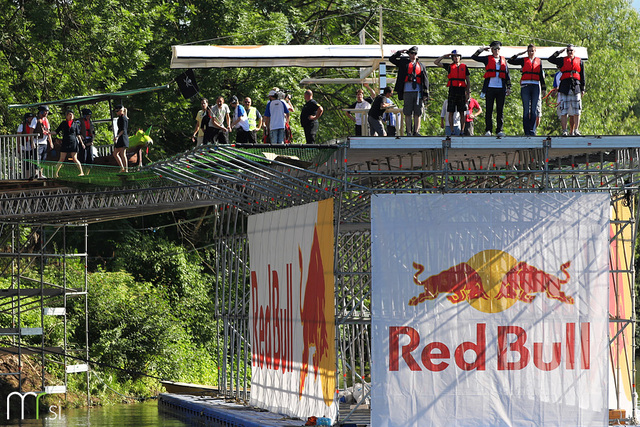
x,y
71,140
121,139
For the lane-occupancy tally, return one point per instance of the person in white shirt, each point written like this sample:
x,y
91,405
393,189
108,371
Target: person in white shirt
x,y
240,121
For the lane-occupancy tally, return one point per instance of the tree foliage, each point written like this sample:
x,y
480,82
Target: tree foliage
x,y
62,49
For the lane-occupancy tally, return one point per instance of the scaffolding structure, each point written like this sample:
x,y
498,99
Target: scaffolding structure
x,y
244,180
37,307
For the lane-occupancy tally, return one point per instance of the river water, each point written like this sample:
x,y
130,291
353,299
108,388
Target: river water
x,y
136,415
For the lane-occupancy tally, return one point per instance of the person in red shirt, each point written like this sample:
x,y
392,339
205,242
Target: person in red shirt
x,y
470,114
497,85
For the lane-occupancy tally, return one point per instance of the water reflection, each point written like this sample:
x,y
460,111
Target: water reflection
x,y
135,414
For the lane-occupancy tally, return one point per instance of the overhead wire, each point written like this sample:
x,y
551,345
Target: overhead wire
x,y
477,27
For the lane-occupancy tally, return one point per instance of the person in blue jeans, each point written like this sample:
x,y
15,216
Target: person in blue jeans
x,y
531,86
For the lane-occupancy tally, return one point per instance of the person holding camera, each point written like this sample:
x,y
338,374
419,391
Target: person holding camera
x,y
412,86
571,89
311,112
497,85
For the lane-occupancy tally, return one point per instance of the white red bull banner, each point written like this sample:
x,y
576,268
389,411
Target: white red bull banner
x,y
292,311
490,309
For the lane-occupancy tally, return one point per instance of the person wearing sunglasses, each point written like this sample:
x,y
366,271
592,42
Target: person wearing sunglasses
x,y
571,89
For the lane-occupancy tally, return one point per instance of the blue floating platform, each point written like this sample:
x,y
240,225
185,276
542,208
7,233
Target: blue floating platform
x,y
211,411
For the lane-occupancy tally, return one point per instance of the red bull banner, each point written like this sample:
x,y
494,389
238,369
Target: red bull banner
x,y
621,390
490,309
292,311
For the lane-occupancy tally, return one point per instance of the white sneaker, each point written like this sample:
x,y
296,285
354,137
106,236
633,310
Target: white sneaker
x,y
488,133
501,133
565,133
577,133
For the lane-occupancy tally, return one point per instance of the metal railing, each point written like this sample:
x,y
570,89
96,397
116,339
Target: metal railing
x,y
17,164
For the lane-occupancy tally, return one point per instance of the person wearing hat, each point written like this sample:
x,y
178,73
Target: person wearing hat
x,y
121,139
571,89
71,140
87,132
497,85
41,127
459,84
532,85
27,147
412,86
240,121
276,117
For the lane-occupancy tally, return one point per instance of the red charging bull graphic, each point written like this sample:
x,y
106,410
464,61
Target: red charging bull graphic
x,y
293,311
492,281
314,313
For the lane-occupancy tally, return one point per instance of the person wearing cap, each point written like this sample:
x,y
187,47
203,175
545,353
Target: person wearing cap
x,y
459,84
41,127
532,85
276,117
240,121
412,86
571,89
221,121
497,85
71,140
255,120
121,139
87,132
309,115
377,110
27,147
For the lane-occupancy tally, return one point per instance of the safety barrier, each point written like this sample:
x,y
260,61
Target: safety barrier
x,y
16,163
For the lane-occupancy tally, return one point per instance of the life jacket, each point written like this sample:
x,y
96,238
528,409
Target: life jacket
x,y
252,117
457,75
531,69
26,129
570,68
414,71
491,70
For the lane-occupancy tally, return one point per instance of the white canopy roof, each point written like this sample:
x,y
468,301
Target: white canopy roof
x,y
327,56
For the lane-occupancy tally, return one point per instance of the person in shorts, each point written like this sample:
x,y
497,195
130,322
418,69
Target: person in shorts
x,y
459,84
571,89
412,86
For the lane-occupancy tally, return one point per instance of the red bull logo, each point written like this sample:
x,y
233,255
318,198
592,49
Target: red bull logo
x,y
317,311
492,281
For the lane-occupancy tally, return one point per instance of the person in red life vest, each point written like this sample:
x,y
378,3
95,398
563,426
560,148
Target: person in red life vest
x,y
412,86
458,83
571,90
27,147
531,86
497,85
71,140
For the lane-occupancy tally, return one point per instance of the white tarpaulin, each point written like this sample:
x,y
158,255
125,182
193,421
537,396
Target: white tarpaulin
x,y
490,309
292,311
329,56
